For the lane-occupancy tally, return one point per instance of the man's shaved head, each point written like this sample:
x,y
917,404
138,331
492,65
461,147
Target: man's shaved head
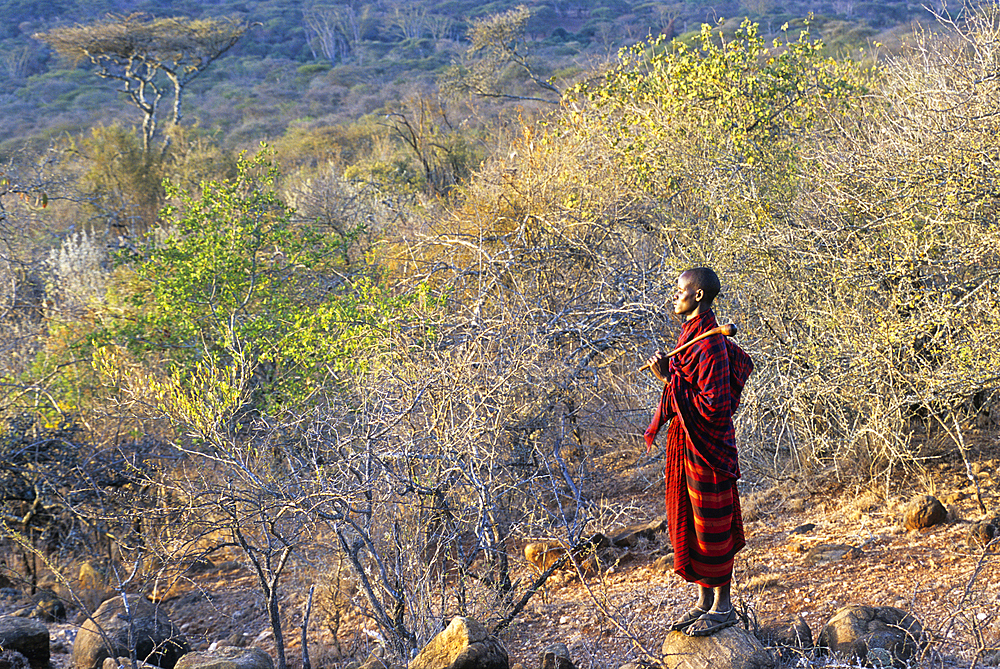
x,y
707,280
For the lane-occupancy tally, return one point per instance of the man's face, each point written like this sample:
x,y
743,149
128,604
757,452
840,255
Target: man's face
x,y
687,297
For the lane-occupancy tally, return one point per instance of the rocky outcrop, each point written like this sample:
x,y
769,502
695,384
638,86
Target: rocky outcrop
x,y
28,637
464,644
107,633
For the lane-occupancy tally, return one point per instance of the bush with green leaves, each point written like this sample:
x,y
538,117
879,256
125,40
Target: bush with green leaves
x,y
233,280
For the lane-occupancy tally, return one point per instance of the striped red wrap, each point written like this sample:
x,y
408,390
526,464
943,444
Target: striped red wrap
x,y
703,508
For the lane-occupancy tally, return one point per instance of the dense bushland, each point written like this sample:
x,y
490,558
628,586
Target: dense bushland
x,y
389,359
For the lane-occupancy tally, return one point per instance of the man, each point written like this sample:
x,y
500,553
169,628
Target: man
x,y
702,387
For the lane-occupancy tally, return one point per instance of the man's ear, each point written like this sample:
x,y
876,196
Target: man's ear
x,y
699,295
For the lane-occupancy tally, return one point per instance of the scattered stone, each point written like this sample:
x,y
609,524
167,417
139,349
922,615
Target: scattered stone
x,y
629,537
464,644
665,564
157,640
28,637
872,634
953,498
48,607
922,512
556,656
827,553
731,648
226,657
983,532
124,663
804,529
790,635
543,554
11,659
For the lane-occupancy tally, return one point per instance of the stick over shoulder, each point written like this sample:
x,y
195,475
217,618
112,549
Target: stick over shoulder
x,y
728,330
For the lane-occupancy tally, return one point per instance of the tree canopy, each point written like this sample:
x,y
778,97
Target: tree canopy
x,y
141,52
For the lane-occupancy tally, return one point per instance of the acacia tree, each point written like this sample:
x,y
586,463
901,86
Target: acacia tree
x,y
497,44
149,56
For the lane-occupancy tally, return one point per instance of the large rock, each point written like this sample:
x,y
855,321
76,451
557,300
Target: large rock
x,y
922,512
875,635
731,648
106,634
30,638
464,644
226,657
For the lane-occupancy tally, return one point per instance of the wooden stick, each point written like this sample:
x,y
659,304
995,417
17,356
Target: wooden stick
x,y
727,330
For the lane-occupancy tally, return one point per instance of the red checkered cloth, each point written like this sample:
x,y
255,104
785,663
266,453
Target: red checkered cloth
x,y
705,383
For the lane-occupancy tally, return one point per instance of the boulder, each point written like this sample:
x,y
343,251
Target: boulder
x,y
157,640
464,644
226,657
556,656
28,637
873,634
922,512
731,648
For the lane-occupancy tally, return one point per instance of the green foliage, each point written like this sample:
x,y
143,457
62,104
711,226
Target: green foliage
x,y
234,282
740,104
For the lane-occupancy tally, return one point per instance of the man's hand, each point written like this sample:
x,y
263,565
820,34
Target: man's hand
x,y
659,364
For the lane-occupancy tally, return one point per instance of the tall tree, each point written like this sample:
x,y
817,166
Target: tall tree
x,y
149,56
497,43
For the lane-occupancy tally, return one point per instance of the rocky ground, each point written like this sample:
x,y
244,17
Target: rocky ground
x,y
814,545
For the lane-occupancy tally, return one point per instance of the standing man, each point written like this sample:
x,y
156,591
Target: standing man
x,y
702,388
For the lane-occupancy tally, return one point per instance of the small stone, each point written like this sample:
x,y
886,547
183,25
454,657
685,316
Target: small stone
x,y
827,553
922,512
556,656
803,529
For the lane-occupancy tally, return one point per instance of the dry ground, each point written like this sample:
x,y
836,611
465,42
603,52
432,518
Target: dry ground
x,y
939,575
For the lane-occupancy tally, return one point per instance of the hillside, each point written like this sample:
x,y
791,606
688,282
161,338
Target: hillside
x,y
303,66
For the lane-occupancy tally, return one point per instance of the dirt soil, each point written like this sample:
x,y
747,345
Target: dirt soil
x,y
856,552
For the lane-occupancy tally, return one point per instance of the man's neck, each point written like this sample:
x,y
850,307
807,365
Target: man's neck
x,y
698,311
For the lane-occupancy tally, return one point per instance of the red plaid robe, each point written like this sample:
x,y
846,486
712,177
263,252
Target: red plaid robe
x,y
703,510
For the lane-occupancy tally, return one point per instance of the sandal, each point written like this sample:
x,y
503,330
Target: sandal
x,y
688,619
711,622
